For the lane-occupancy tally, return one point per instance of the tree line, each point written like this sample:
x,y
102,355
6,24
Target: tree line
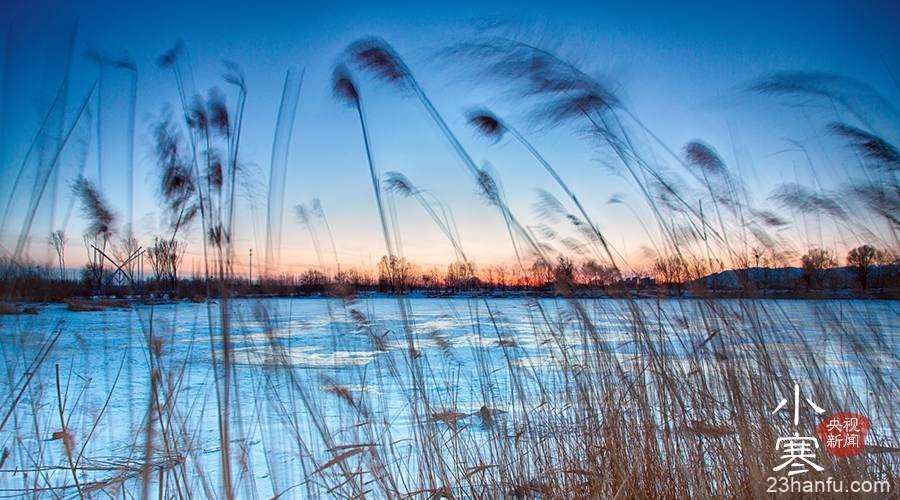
x,y
126,268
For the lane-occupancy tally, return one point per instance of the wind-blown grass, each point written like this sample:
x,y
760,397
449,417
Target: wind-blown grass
x,y
466,397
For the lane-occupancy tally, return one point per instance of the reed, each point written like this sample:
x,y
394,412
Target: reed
x,y
554,395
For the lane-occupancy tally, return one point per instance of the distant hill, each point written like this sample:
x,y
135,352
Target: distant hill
x,y
793,278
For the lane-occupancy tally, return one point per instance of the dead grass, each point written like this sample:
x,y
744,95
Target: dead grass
x,y
625,398
82,305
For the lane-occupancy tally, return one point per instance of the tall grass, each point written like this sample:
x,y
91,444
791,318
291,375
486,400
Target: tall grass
x,y
466,397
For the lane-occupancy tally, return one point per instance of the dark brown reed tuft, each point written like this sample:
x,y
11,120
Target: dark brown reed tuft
x,y
703,156
563,91
806,200
487,124
217,111
396,182
569,107
302,213
215,174
170,57
770,218
97,211
488,187
375,55
197,117
343,85
177,184
809,83
869,145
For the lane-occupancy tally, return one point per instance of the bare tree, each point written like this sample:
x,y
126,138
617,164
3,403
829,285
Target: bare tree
x,y
862,258
125,252
313,279
394,273
165,256
461,275
594,274
671,271
564,270
58,241
353,277
499,276
541,273
816,263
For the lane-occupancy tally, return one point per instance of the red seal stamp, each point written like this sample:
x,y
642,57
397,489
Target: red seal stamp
x,y
844,434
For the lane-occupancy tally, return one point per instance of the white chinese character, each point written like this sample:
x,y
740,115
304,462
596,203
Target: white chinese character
x,y
834,424
797,452
797,405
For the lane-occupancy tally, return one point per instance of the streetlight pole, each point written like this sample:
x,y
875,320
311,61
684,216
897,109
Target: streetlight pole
x,y
251,266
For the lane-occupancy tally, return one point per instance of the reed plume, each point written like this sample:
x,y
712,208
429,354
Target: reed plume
x,y
346,91
99,215
398,183
562,94
492,127
379,58
869,145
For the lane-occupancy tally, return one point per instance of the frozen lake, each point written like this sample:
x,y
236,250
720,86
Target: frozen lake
x,y
311,375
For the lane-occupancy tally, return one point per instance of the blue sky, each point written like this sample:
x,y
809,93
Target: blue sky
x,y
681,66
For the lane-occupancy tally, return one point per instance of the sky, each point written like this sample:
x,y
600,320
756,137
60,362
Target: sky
x,y
682,67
